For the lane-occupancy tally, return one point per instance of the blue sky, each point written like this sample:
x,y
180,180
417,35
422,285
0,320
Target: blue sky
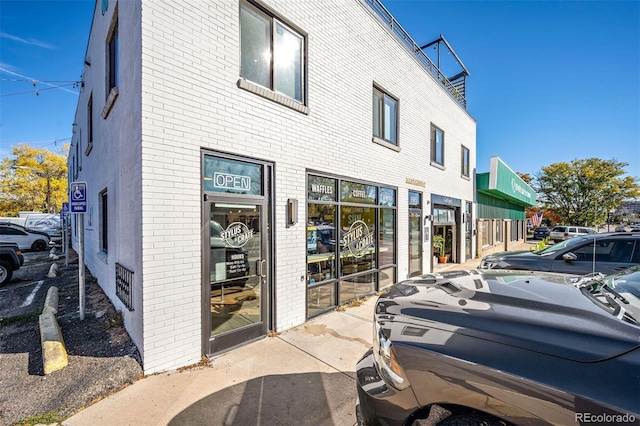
x,y
549,81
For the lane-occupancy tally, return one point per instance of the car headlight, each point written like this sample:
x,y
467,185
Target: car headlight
x,y
386,360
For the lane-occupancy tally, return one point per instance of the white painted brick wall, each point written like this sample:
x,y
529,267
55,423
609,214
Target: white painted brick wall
x,y
186,98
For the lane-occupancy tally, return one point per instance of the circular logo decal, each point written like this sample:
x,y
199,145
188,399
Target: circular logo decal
x,y
358,239
237,234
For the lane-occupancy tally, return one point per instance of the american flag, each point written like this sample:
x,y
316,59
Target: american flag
x,y
536,219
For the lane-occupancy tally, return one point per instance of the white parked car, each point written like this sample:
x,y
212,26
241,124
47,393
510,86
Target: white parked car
x,y
561,233
26,238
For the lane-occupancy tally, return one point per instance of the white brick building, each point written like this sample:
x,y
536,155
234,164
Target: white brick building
x,y
224,142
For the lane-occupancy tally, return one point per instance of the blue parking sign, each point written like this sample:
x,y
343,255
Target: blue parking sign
x,y
64,213
78,197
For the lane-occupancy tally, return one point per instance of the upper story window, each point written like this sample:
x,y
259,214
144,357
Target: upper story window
x,y
272,53
465,162
89,125
113,66
385,116
113,53
437,146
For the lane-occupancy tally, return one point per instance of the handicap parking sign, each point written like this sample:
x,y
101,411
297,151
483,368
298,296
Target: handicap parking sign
x,y
78,197
64,213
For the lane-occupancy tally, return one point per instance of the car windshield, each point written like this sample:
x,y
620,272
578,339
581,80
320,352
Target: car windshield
x,y
626,284
549,250
619,292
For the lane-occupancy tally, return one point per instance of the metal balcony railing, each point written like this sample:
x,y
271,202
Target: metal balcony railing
x,y
456,87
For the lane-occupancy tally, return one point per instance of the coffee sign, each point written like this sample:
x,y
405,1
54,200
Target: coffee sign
x,y
358,239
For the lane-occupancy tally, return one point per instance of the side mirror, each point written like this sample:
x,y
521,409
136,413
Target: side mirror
x,y
569,257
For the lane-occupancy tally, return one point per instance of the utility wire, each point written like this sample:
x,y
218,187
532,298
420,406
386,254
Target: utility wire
x,y
36,91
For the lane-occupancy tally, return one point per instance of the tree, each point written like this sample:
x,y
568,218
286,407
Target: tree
x,y
583,192
33,179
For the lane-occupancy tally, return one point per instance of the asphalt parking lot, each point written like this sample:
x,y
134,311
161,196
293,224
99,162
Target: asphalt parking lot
x,y
101,356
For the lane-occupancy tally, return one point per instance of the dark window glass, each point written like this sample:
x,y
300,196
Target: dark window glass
x,y
90,119
113,62
437,145
387,237
321,243
104,222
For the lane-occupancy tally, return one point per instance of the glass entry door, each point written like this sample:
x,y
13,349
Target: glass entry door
x,y
238,272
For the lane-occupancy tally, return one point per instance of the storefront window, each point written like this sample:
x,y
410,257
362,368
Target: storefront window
x,y
320,298
353,192
415,233
387,237
351,229
321,188
357,240
321,243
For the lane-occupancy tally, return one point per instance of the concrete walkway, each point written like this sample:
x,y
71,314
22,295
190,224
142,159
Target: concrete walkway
x,y
304,376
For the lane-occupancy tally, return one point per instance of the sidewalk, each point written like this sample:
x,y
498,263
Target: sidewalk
x,y
303,376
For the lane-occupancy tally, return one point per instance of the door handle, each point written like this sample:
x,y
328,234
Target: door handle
x,y
260,264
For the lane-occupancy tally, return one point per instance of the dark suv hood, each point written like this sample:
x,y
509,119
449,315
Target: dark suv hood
x,y
536,311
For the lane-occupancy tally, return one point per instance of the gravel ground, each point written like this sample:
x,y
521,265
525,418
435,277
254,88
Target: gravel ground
x,y
102,357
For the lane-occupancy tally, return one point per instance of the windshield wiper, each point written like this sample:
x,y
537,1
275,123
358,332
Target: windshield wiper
x,y
621,306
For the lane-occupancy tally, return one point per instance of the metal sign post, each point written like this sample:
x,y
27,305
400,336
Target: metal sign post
x,y
64,220
78,197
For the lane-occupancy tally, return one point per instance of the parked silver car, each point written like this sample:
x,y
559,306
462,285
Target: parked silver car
x,y
561,233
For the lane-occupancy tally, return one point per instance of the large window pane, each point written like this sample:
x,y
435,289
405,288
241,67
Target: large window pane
x,y
390,119
359,286
255,43
288,62
358,239
387,237
320,298
385,116
386,277
321,188
321,243
415,243
437,145
465,161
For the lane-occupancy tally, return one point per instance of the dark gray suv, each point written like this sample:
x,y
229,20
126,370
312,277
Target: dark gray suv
x,y
504,347
605,253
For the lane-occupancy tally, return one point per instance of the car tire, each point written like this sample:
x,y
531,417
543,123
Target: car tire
x,y
39,245
471,420
5,272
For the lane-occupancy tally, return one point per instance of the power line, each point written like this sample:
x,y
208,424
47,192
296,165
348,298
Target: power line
x,y
75,84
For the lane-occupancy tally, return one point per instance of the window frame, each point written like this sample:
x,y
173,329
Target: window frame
x,y
465,165
104,221
89,125
112,65
272,91
380,132
435,130
113,57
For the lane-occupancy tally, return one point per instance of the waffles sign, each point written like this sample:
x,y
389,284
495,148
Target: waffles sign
x,y
358,239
